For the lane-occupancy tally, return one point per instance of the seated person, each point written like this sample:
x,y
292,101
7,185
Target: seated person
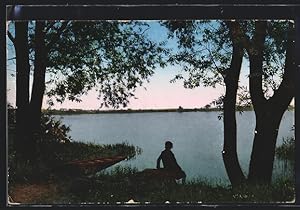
x,y
169,162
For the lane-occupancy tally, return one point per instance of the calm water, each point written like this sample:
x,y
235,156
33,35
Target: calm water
x,y
197,138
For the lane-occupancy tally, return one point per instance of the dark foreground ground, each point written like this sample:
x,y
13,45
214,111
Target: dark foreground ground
x,y
45,186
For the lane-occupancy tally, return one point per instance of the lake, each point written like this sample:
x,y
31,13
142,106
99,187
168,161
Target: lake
x,y
197,138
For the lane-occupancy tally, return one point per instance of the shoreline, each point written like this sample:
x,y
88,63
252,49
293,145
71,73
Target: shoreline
x,y
58,112
79,111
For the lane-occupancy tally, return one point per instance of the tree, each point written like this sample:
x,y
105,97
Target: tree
x,y
119,58
38,86
231,80
206,60
268,111
211,54
22,85
115,57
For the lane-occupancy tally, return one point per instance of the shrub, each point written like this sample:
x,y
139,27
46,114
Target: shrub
x,y
286,151
53,130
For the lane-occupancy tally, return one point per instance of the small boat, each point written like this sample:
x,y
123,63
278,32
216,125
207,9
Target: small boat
x,y
90,166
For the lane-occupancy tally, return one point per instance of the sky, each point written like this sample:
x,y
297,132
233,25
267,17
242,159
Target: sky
x,y
159,93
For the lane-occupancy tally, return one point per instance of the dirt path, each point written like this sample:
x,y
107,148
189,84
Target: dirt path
x,y
33,193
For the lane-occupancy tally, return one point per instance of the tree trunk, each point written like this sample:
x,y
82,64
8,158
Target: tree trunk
x,y
229,152
263,151
22,142
38,87
268,112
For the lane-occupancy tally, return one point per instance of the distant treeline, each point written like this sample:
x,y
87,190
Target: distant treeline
x,y
80,111
180,109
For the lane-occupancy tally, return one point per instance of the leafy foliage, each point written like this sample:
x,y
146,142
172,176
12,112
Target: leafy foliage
x,y
112,57
218,103
274,56
203,51
52,129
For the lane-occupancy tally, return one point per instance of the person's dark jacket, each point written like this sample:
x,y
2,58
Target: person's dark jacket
x,y
169,161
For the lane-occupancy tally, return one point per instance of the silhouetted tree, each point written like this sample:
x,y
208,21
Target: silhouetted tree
x,y
268,110
22,86
212,52
111,56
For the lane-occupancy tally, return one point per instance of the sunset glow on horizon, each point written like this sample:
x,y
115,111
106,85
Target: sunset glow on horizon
x,y
159,93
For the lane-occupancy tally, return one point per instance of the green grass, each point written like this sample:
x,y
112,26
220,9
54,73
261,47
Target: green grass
x,y
53,154
81,151
117,186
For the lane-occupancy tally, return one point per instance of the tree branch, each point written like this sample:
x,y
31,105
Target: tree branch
x,y
239,35
254,48
237,55
256,57
259,37
13,58
286,91
213,60
10,36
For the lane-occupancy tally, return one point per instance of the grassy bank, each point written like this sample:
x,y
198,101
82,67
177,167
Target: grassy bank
x,y
27,185
52,154
39,182
54,148
117,187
